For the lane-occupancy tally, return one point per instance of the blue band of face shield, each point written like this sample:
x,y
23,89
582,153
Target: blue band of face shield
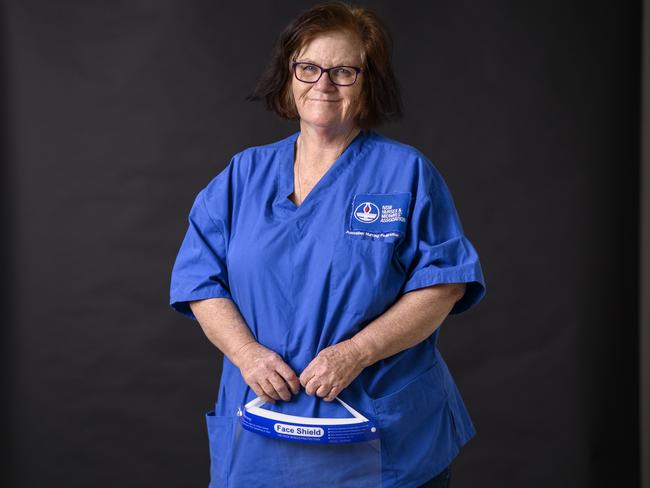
x,y
307,429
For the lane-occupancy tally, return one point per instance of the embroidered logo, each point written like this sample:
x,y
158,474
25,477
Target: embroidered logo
x,y
379,215
366,212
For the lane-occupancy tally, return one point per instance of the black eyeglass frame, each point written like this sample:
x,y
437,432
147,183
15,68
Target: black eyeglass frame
x,y
356,69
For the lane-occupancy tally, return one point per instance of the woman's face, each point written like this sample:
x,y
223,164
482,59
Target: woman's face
x,y
323,103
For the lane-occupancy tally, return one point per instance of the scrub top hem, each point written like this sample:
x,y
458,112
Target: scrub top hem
x,y
433,275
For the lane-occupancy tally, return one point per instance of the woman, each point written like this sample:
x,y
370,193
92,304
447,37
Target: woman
x,y
322,266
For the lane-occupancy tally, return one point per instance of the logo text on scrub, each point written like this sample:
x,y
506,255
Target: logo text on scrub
x,y
368,212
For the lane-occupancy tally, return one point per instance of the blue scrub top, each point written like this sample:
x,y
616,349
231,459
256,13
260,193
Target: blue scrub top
x,y
379,223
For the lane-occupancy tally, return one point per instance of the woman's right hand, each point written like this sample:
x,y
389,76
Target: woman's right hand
x,y
266,373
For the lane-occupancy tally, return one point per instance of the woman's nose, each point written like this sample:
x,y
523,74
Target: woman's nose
x,y
324,83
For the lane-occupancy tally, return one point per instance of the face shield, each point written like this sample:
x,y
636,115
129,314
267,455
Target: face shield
x,y
274,449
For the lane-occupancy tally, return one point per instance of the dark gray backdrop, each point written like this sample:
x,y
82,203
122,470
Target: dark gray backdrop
x,y
119,112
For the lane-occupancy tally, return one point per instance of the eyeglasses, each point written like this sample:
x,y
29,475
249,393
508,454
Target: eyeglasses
x,y
339,75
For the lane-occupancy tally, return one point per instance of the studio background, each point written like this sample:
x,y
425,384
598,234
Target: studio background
x,y
118,113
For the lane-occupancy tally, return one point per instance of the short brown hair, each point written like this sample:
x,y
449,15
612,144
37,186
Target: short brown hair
x,y
381,100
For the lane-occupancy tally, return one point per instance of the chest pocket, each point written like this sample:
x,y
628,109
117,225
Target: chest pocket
x,y
366,270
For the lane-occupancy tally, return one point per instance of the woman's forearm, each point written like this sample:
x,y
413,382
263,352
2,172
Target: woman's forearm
x,y
410,320
261,368
223,325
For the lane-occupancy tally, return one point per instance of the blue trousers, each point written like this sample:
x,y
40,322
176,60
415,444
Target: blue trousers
x,y
442,480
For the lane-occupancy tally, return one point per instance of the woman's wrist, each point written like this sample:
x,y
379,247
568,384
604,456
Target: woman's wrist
x,y
237,356
363,351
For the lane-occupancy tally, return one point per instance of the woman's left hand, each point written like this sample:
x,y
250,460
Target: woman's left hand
x,y
332,370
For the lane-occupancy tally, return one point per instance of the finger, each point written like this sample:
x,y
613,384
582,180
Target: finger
x,y
267,399
260,393
312,385
332,394
290,377
306,376
323,390
269,389
280,386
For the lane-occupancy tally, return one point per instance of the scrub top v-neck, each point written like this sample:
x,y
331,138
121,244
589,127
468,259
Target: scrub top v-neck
x,y
286,179
379,223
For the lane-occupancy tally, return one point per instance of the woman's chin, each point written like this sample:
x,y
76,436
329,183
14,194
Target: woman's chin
x,y
324,122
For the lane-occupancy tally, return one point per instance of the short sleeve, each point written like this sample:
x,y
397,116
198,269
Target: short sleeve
x,y
200,271
435,249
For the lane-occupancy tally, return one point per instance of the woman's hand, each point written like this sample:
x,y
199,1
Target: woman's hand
x,y
332,370
266,373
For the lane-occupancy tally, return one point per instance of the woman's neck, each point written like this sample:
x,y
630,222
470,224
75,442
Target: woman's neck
x,y
319,148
